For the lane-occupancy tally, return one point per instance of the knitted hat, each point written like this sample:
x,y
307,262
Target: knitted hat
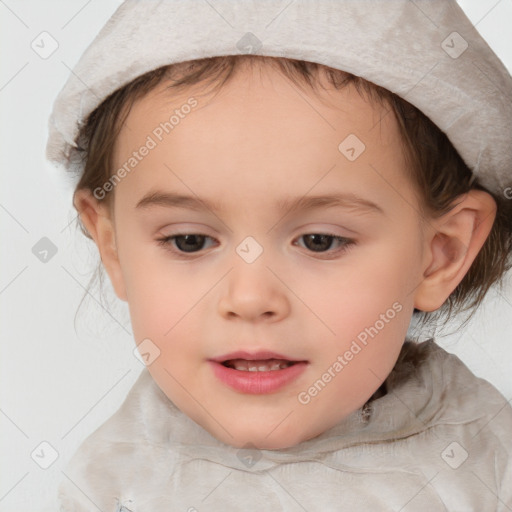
x,y
426,52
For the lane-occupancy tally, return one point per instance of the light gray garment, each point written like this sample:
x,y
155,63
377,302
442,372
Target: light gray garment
x,y
438,439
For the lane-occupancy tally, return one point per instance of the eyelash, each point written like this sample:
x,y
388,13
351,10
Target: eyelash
x,y
347,244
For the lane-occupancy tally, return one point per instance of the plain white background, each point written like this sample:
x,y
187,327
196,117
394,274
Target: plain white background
x,y
61,379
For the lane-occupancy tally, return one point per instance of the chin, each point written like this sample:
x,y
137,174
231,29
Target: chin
x,y
260,439
261,443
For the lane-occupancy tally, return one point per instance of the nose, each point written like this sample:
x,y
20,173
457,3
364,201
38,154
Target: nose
x,y
251,292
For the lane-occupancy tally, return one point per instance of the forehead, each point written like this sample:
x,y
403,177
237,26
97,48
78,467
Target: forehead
x,y
260,134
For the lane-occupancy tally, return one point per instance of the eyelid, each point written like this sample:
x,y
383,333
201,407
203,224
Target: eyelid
x,y
327,228
188,228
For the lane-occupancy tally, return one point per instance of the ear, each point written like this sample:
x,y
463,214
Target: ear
x,y
452,245
98,221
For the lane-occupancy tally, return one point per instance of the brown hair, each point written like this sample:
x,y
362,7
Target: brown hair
x,y
438,171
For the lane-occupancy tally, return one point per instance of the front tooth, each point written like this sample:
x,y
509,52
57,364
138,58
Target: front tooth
x,y
255,366
240,365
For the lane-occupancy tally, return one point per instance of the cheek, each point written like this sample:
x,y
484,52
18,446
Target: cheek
x,y
160,295
358,292
367,305
368,309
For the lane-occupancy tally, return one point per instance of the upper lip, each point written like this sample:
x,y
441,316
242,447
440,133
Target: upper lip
x,y
251,356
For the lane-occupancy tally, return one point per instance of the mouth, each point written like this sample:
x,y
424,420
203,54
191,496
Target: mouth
x,y
257,373
258,365
261,361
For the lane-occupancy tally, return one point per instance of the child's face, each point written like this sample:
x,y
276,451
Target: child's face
x,y
341,310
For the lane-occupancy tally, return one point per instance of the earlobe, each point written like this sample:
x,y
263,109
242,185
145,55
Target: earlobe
x,y
96,218
453,243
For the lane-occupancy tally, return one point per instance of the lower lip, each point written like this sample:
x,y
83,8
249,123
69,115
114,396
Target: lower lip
x,y
257,383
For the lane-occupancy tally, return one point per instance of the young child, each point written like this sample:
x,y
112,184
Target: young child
x,y
275,191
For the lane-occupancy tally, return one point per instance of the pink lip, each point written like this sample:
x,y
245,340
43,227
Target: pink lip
x,y
257,383
262,354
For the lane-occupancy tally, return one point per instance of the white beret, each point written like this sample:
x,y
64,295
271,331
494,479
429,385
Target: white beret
x,y
426,52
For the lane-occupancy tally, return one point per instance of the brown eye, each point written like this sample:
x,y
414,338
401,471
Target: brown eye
x,y
317,242
326,243
184,243
189,243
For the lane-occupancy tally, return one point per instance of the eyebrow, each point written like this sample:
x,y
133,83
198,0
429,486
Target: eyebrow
x,y
287,204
